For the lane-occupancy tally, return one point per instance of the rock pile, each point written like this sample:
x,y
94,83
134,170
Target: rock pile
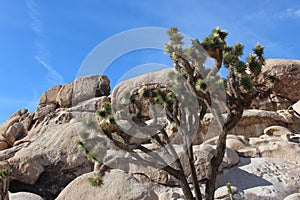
x,y
262,157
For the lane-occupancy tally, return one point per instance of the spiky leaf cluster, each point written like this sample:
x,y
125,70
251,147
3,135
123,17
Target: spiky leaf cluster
x,y
176,42
256,60
231,57
6,172
246,84
104,111
157,96
216,40
95,181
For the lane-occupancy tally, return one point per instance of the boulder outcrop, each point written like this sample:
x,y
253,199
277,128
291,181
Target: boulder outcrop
x,y
262,149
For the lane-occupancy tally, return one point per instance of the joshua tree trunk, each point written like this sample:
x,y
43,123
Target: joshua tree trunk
x,y
4,188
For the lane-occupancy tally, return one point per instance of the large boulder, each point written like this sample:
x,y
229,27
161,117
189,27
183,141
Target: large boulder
x,y
286,75
64,96
50,96
116,185
252,124
50,160
14,132
276,147
88,87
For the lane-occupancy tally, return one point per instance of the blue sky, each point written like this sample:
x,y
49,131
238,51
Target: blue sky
x,y
43,43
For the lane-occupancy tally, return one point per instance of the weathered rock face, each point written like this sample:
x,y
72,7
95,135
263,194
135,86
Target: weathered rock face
x,y
40,147
262,178
287,73
64,96
252,124
49,162
43,110
15,128
50,96
42,152
116,185
88,87
14,132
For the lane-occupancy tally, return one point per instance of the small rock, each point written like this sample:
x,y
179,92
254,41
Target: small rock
x,y
24,196
222,192
296,107
236,142
277,131
295,196
231,158
248,152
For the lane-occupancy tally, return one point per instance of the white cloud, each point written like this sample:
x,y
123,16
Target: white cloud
x,y
42,51
291,13
297,13
36,24
54,77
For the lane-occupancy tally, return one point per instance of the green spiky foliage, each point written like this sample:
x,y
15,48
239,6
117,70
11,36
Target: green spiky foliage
x,y
95,181
205,84
216,40
6,172
176,41
240,84
229,190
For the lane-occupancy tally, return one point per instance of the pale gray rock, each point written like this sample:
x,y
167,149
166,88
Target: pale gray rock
x,y
202,154
90,105
295,196
231,158
263,177
222,192
43,110
296,107
24,196
277,131
89,87
116,185
50,160
276,147
169,196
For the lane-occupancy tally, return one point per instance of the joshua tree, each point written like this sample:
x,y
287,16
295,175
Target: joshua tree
x,y
4,182
183,110
239,85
